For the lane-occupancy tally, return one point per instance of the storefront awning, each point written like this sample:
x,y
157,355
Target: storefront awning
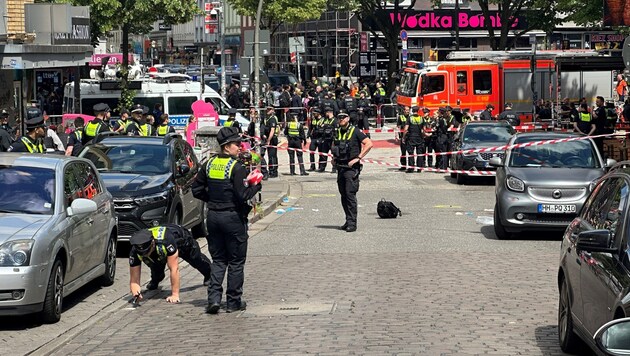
x,y
33,56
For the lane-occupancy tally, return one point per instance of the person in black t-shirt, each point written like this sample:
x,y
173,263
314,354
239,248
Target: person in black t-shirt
x,y
75,139
599,119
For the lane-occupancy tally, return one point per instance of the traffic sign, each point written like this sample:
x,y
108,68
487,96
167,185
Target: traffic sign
x,y
403,35
296,44
293,57
208,7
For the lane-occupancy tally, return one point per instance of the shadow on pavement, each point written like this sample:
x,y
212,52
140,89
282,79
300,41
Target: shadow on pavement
x,y
547,340
328,227
488,232
472,181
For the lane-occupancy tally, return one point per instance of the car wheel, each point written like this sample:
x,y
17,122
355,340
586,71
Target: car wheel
x,y
177,219
499,230
54,294
108,278
201,229
461,178
569,341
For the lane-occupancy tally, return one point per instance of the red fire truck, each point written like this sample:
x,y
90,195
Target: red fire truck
x,y
499,77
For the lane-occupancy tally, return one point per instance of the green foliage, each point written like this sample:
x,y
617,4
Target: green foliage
x,y
582,12
287,11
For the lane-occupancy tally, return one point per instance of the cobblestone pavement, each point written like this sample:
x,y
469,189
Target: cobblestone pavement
x,y
433,282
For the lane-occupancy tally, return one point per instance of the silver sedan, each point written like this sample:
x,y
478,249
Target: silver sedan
x,y
543,187
57,232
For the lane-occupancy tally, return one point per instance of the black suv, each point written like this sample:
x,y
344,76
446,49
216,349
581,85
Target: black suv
x,y
150,179
594,271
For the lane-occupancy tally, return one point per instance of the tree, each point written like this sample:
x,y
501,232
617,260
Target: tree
x,y
368,13
277,12
583,12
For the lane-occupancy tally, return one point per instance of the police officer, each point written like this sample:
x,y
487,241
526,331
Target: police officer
x,y
379,95
441,132
328,126
33,141
363,112
296,139
429,137
350,147
270,141
451,124
314,134
509,115
225,188
231,120
401,124
133,125
98,124
6,134
584,123
414,139
487,114
75,139
145,128
121,124
159,247
164,127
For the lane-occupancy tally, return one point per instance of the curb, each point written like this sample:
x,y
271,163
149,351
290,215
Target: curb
x,y
268,209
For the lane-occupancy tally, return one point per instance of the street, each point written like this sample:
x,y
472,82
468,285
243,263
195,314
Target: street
x,y
435,281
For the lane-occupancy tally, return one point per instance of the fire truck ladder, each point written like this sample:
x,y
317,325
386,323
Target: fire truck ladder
x,y
526,54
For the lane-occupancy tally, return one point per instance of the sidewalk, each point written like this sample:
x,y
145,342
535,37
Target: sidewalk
x,y
274,190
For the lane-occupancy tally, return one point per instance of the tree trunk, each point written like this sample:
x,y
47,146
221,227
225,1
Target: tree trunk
x,y
392,66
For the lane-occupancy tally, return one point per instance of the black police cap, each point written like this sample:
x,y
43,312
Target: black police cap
x,y
227,135
33,113
317,110
142,241
34,123
4,113
232,111
328,109
101,107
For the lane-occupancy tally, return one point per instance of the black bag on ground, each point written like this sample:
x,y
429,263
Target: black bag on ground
x,y
387,210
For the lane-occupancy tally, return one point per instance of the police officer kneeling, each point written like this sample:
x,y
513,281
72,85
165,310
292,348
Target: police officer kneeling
x,y
161,246
222,183
349,148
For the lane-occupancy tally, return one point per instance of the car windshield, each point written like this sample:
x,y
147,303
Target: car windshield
x,y
409,84
130,158
487,133
574,154
27,190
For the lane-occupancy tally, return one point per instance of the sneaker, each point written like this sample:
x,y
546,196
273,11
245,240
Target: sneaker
x,y
213,308
242,306
152,285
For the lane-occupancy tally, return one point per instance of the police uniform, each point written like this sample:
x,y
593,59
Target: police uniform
x,y
415,142
133,125
510,116
401,124
429,138
296,138
328,126
222,184
231,121
75,140
441,140
347,146
96,126
271,122
26,143
314,135
584,122
162,130
169,239
145,129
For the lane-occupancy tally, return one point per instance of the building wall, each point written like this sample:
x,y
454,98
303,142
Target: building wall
x,y
15,12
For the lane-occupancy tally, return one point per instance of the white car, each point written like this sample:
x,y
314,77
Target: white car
x,y
58,232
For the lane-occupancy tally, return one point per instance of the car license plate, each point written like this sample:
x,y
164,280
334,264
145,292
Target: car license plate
x,y
556,208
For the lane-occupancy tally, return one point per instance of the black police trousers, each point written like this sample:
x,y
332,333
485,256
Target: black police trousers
x,y
296,142
188,249
403,152
272,157
313,146
324,149
227,243
416,147
348,184
441,145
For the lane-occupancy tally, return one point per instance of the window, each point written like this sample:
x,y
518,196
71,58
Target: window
x,y
482,82
70,186
607,209
574,154
409,84
462,83
27,190
219,105
87,105
150,102
132,158
89,185
190,157
435,83
180,105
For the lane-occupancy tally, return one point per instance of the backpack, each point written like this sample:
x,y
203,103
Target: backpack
x,y
387,210
285,100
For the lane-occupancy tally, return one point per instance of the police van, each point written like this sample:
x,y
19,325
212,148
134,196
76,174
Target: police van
x,y
175,92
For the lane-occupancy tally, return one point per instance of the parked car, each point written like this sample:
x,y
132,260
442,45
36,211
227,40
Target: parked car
x,y
150,179
475,135
57,232
543,187
613,338
594,269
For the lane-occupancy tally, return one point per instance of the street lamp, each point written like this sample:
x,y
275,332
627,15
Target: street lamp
x,y
257,53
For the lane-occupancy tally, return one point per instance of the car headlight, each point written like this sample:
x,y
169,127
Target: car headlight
x,y
592,185
16,253
515,184
152,199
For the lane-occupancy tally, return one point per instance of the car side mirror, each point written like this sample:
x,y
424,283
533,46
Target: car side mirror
x,y
610,162
613,338
183,169
595,241
81,206
495,162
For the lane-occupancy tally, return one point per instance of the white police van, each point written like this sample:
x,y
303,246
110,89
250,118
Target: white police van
x,y
176,93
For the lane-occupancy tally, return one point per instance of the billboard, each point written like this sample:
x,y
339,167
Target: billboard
x,y
440,20
616,13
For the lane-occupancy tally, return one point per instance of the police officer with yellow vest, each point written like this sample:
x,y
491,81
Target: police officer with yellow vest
x,y
223,184
133,125
33,141
98,124
164,128
231,120
121,124
414,138
75,139
349,148
159,247
401,124
584,123
328,125
296,138
314,135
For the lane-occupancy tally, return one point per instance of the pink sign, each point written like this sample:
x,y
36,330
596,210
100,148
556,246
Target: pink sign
x,y
445,20
114,58
205,115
